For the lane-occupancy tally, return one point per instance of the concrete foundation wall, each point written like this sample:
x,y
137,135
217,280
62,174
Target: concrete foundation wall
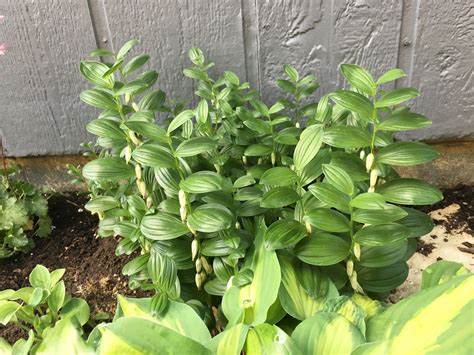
x,y
40,112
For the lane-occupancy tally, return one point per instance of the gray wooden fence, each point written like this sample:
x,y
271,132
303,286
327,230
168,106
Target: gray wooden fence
x,y
40,112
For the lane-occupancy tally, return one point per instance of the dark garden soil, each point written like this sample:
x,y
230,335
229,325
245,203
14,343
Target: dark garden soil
x,y
93,272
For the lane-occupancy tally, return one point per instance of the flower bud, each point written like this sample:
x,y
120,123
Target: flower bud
x,y
203,275
273,158
205,265
127,98
198,280
362,154
244,160
357,250
128,154
217,168
194,249
371,189
135,107
138,171
198,264
133,137
297,125
350,267
369,161
354,283
373,177
259,161
191,229
308,227
141,187
182,198
149,202
183,213
237,225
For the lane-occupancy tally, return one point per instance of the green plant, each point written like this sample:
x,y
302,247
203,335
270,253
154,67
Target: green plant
x,y
193,192
435,319
23,213
43,310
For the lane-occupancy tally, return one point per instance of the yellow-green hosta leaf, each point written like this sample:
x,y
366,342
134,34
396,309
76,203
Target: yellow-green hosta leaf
x,y
230,341
267,339
346,307
327,333
437,320
440,272
131,335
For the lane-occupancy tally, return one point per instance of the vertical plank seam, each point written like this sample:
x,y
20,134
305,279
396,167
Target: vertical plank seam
x,y
97,10
251,40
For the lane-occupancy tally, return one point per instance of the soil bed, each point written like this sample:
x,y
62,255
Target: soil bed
x,y
93,271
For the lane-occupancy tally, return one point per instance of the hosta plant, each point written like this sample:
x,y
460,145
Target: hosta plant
x,y
194,193
434,320
44,311
23,213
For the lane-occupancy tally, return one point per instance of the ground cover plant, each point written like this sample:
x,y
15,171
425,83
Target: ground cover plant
x,y
260,228
23,212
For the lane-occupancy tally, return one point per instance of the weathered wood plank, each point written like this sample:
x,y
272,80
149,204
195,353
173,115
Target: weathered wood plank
x,y
167,29
39,77
317,36
440,51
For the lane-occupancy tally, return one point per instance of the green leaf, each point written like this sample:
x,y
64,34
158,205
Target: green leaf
x,y
383,255
293,297
392,74
131,335
194,146
348,137
369,201
331,196
388,214
210,218
94,71
99,98
291,72
162,226
135,63
126,48
441,272
154,155
244,181
315,282
202,182
322,334
279,197
315,167
322,249
258,125
76,308
404,121
256,150
107,128
101,52
163,272
56,299
377,235
202,111
152,101
382,279
102,203
417,222
279,176
40,277
7,311
396,97
286,86
353,101
179,120
338,178
148,129
410,192
359,78
406,153
107,169
327,220
308,146
283,233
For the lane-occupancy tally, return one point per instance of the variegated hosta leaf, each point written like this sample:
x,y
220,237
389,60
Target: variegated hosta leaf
x,y
266,339
437,320
327,333
231,341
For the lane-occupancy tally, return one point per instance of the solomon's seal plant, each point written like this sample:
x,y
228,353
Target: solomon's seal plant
x,y
23,213
222,196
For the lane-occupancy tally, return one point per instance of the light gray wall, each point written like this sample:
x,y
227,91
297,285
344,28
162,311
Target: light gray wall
x,y
40,112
